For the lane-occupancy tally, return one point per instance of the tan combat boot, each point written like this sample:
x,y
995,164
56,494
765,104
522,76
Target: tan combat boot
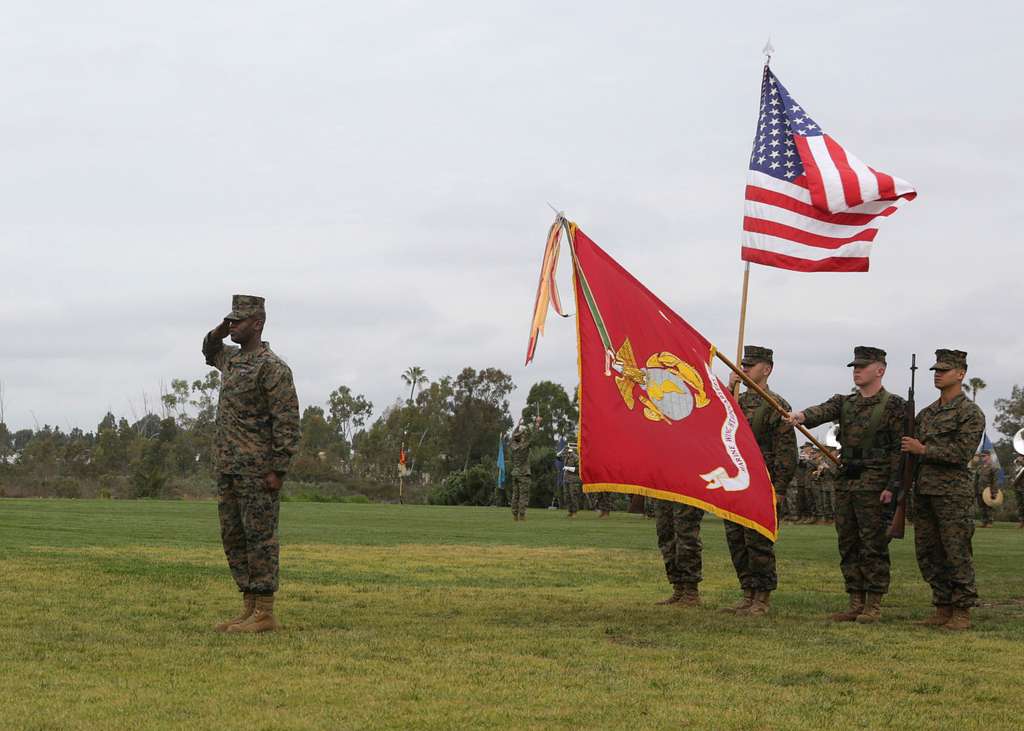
x,y
678,591
262,618
690,597
759,605
943,613
872,611
604,514
853,611
248,605
742,605
959,621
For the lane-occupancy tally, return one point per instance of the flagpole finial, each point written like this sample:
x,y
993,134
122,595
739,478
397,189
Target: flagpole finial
x,y
768,50
560,214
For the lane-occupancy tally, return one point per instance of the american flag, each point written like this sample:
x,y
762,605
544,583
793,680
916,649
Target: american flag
x,y
811,206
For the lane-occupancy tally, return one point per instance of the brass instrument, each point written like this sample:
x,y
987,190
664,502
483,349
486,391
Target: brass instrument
x,y
832,437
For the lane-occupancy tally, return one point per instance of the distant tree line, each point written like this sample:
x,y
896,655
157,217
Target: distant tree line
x,y
449,430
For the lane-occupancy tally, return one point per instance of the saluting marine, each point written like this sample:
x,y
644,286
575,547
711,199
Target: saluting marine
x,y
257,435
519,450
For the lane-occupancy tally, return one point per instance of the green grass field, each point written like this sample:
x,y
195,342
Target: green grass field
x,y
421,617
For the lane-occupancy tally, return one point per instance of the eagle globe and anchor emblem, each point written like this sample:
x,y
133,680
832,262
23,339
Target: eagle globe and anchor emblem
x,y
670,389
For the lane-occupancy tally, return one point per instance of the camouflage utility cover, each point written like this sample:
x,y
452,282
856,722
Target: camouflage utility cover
x,y
866,355
258,411
244,306
757,354
950,434
947,359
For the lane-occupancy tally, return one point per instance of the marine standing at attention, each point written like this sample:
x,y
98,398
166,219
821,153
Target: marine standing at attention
x,y
984,476
753,555
870,429
257,434
948,432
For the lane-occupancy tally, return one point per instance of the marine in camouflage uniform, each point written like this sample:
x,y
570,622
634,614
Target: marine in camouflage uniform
x,y
571,484
677,527
948,432
870,428
799,501
603,503
519,450
786,513
257,435
984,475
822,482
801,481
753,555
1018,486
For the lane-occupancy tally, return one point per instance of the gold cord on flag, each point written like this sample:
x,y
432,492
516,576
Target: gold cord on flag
x,y
547,287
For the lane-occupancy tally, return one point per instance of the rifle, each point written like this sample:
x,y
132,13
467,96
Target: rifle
x,y
907,462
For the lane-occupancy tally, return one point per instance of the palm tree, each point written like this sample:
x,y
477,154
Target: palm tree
x,y
974,385
414,376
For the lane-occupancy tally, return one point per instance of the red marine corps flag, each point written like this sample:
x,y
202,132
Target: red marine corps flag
x,y
654,420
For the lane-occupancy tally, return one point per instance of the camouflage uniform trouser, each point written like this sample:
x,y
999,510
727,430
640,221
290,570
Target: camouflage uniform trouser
x,y
1020,504
573,492
943,527
792,510
650,506
519,500
984,510
753,557
824,503
678,529
602,500
861,524
803,506
248,529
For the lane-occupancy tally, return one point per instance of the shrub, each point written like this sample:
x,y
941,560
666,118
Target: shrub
x,y
473,486
66,487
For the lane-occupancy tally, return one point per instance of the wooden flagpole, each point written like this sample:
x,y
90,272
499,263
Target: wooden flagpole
x,y
768,50
743,322
774,404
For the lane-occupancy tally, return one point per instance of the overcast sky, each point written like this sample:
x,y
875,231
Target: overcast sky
x,y
380,172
